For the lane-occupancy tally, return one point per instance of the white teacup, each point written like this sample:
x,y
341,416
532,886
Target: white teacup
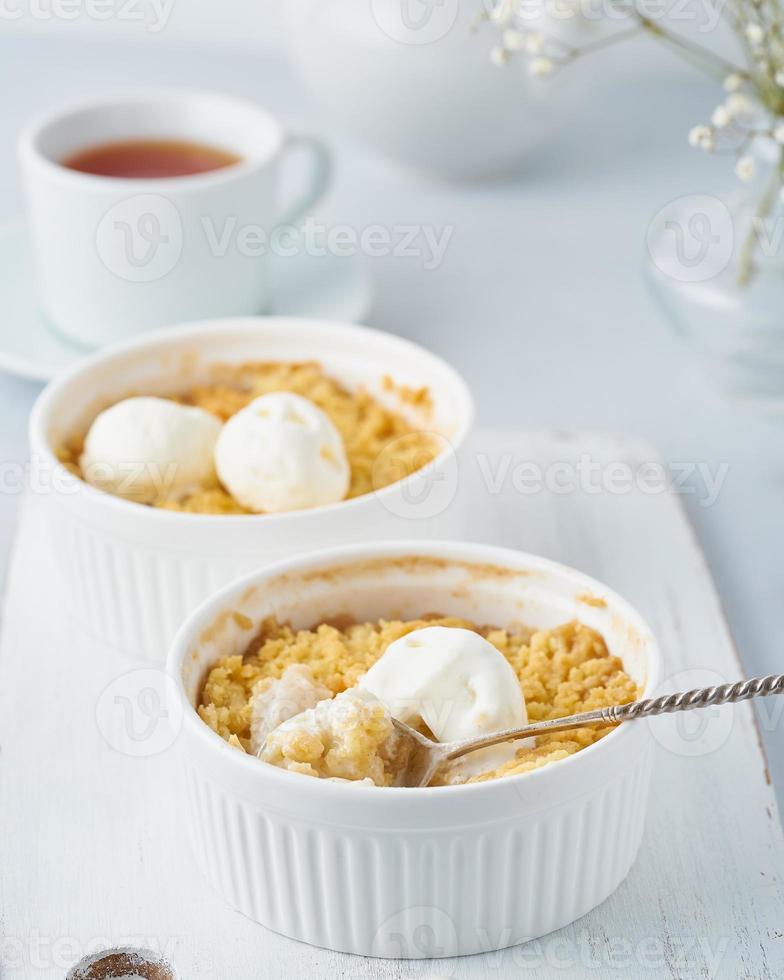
x,y
116,255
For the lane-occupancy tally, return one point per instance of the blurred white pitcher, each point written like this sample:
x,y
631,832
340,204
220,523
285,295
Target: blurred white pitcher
x,y
119,255
430,97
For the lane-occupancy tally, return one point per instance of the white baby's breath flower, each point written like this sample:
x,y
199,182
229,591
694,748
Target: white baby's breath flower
x,y
534,43
778,133
499,55
503,12
732,82
701,137
540,67
779,78
745,168
514,40
737,104
755,34
721,117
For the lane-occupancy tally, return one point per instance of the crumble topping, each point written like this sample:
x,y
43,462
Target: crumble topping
x,y
381,446
561,671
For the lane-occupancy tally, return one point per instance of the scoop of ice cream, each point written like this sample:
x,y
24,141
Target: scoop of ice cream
x,y
452,679
147,448
286,696
282,453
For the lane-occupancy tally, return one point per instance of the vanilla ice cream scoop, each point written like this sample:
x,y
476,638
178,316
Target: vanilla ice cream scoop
x,y
149,448
282,453
453,679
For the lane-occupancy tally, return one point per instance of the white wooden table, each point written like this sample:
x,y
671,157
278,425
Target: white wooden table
x,y
90,850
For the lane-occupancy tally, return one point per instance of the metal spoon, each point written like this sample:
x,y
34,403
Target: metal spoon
x,y
425,758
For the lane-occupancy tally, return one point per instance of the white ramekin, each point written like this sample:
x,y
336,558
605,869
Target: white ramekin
x,y
414,873
134,572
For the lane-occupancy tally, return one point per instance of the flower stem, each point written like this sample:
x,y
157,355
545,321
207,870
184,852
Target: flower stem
x,y
606,42
765,206
700,57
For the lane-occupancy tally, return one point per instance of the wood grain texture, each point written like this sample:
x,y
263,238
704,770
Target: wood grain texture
x,y
91,854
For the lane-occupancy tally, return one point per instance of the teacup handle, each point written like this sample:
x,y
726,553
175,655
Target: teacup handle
x,y
320,181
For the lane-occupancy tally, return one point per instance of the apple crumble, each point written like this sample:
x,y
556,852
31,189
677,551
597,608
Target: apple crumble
x,y
348,737
381,446
285,696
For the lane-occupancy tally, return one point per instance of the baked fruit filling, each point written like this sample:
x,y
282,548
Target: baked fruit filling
x,y
350,736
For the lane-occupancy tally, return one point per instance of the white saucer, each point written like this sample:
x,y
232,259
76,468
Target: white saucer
x,y
329,287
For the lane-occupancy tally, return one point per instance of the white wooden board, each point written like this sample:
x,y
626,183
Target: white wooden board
x,y
91,854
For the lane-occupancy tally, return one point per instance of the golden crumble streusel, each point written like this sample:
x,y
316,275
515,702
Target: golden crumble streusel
x,y
381,446
561,671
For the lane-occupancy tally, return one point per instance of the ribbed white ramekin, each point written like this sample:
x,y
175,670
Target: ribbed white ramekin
x,y
132,573
400,872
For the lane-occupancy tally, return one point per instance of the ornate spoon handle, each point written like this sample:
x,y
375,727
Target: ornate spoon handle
x,y
757,687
